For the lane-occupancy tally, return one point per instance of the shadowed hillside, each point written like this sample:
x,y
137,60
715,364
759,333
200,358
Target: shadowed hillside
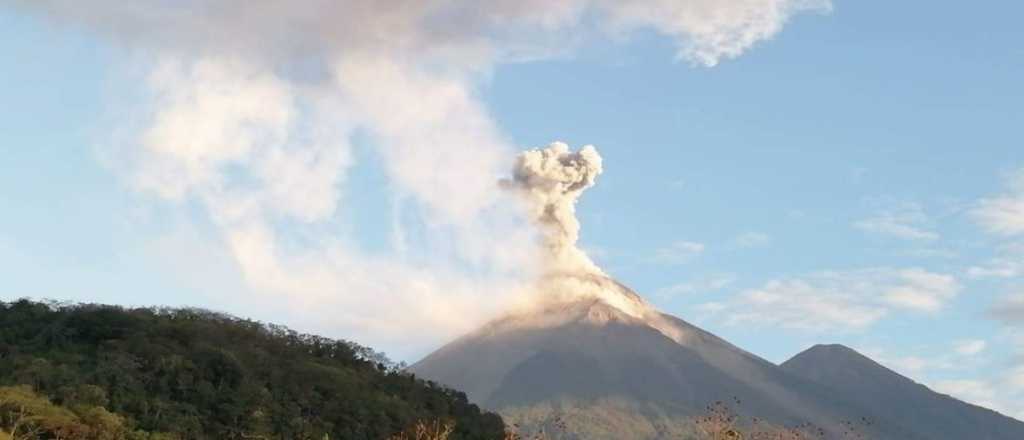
x,y
194,374
935,416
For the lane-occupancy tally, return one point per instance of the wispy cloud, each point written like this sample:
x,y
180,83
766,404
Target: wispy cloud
x,y
1003,215
685,251
841,300
921,290
908,222
961,355
970,347
969,373
1003,391
997,268
914,366
954,370
929,253
707,284
679,252
978,392
1008,263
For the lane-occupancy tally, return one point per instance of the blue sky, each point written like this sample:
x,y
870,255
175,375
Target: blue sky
x,y
850,179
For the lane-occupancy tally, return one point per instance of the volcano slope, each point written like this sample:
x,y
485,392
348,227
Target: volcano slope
x,y
609,366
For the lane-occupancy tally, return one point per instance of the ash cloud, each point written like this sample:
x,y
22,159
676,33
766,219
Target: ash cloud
x,y
550,181
251,110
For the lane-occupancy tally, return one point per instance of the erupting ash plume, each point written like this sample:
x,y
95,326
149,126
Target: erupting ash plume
x,y
551,181
252,112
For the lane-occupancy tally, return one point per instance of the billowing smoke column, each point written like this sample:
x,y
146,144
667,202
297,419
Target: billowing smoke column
x,y
550,181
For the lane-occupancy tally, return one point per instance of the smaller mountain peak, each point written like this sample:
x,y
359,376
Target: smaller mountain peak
x,y
832,348
836,363
831,351
833,356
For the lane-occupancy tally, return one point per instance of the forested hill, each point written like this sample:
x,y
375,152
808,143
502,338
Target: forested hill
x,y
194,374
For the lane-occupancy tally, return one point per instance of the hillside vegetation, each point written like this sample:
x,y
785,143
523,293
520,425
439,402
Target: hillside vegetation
x,y
105,372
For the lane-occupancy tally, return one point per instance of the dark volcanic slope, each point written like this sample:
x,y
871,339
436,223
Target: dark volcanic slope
x,y
577,356
933,415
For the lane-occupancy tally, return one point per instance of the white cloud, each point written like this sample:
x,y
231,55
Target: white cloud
x,y
707,31
970,347
954,370
707,284
992,393
1009,263
711,307
841,300
1003,215
679,252
908,222
978,392
915,366
929,253
962,355
997,268
921,290
252,116
799,304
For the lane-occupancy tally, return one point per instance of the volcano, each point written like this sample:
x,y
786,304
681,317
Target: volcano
x,y
589,358
610,366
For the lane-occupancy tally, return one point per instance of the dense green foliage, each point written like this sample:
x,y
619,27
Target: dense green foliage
x,y
25,415
195,374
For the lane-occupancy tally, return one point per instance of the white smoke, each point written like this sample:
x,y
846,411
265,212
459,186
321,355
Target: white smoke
x,y
551,181
252,110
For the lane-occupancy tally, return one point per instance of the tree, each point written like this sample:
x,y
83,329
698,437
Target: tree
x,y
195,374
25,415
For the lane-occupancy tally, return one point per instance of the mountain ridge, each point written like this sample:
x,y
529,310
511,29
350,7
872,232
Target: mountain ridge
x,y
863,380
579,357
